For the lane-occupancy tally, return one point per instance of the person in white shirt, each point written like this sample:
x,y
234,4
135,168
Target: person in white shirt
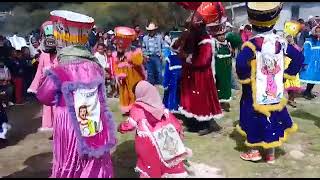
x,y
101,56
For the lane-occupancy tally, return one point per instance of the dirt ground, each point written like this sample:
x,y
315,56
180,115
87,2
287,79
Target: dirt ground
x,y
28,153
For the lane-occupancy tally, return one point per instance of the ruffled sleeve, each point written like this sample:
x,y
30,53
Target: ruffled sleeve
x,y
39,75
48,91
131,123
243,59
137,57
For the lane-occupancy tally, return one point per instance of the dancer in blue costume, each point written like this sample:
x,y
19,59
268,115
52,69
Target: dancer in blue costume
x,y
172,78
264,119
310,72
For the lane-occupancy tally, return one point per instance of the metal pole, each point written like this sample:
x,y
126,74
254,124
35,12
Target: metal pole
x,y
232,12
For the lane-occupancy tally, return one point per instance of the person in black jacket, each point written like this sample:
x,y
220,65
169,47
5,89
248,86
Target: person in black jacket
x,y
5,47
17,66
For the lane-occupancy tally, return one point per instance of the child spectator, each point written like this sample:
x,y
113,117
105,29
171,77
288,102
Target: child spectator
x,y
29,70
110,79
17,67
6,88
100,54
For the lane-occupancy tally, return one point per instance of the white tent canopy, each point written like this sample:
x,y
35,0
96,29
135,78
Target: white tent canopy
x,y
17,42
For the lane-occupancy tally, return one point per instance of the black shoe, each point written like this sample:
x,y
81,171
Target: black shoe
x,y
51,138
292,103
308,96
3,143
205,131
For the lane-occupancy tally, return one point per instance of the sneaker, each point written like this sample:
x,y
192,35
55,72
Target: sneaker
x,y
270,159
10,103
308,96
251,156
4,105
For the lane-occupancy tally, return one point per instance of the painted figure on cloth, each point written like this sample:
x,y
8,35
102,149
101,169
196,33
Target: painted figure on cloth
x,y
270,69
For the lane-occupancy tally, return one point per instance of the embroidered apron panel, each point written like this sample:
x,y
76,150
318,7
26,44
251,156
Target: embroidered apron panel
x,y
169,142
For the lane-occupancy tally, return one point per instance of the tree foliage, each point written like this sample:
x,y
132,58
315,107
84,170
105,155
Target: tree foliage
x,y
29,16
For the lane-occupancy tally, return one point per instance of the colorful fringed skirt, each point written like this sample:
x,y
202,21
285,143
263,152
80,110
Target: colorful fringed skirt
x,y
292,84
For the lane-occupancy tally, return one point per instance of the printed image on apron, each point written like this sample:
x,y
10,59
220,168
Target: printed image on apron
x,y
87,108
169,142
269,81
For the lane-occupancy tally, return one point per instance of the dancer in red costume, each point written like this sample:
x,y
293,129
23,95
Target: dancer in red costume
x,y
199,99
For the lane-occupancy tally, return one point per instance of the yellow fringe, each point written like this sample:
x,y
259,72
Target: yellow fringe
x,y
274,144
33,61
264,23
245,81
264,109
71,38
130,37
137,58
249,45
290,77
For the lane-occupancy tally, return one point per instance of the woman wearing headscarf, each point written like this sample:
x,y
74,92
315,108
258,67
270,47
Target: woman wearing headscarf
x,y
83,127
158,141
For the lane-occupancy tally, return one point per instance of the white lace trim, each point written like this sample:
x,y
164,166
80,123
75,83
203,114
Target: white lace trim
x,y
225,100
223,55
312,47
200,118
137,169
309,81
175,67
132,122
178,175
147,133
205,41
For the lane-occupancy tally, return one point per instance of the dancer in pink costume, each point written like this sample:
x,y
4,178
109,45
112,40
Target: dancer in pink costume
x,y
74,83
159,133
47,60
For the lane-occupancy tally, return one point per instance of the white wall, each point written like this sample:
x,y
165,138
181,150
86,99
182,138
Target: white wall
x,y
306,9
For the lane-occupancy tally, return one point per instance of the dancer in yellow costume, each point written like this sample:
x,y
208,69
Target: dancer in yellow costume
x,y
127,66
292,85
